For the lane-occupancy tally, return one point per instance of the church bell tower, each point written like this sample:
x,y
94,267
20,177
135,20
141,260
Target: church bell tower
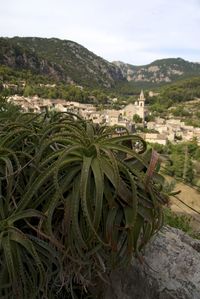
x,y
141,104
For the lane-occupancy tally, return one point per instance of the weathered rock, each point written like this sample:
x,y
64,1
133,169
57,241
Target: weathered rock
x,y
171,270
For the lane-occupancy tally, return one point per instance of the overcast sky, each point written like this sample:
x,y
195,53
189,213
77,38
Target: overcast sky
x,y
133,31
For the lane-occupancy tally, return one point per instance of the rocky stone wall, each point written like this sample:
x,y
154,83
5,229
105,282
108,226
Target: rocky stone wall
x,y
171,270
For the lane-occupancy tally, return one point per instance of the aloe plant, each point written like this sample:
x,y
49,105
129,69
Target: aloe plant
x,y
76,200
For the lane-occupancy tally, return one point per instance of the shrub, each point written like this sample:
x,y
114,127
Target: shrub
x,y
77,201
181,222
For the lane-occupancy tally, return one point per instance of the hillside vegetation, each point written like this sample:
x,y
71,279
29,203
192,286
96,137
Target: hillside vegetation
x,y
182,99
181,91
69,62
58,59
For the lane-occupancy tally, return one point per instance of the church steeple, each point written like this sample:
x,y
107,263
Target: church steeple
x,y
142,98
141,105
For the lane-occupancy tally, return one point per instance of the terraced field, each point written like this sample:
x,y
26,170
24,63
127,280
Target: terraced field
x,y
189,204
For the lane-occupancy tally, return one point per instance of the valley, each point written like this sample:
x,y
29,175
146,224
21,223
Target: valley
x,y
40,74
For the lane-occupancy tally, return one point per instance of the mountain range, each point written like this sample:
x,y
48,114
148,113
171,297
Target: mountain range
x,y
69,62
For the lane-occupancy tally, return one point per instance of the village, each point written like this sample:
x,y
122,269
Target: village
x,y
158,131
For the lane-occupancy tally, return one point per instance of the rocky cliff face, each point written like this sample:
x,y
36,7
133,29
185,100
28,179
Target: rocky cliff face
x,y
60,59
67,61
18,58
159,71
171,270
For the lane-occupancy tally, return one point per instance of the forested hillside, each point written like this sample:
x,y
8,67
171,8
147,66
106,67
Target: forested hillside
x,y
60,60
177,95
70,62
53,68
